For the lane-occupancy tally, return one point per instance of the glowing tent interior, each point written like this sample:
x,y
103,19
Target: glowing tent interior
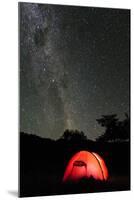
x,y
85,164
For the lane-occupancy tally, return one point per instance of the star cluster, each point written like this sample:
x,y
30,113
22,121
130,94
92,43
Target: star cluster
x,y
74,67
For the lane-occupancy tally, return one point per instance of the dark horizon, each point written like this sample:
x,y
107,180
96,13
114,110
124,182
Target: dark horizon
x,y
114,131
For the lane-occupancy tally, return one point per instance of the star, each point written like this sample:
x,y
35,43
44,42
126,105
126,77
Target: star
x,y
74,66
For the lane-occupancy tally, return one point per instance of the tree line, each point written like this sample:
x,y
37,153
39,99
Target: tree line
x,y
115,130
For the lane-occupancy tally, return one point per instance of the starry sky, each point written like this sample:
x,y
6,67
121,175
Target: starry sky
x,y
74,67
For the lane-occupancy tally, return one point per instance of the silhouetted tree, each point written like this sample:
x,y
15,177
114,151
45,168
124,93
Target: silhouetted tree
x,y
67,135
71,135
110,123
115,129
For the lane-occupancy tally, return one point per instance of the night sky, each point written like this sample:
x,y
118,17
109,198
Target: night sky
x,y
74,67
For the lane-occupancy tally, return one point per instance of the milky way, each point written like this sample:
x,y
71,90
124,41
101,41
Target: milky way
x,y
74,67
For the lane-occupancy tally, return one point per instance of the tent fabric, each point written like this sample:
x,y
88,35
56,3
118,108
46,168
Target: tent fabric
x,y
85,164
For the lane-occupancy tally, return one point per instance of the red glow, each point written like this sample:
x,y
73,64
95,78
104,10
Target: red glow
x,y
86,164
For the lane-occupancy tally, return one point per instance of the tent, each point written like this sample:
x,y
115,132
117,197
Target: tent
x,y
86,164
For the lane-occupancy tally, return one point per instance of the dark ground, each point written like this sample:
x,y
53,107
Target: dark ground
x,y
43,162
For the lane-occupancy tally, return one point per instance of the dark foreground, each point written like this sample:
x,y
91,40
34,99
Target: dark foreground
x,y
43,162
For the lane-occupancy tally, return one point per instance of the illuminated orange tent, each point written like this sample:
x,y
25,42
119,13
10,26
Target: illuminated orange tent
x,y
85,164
